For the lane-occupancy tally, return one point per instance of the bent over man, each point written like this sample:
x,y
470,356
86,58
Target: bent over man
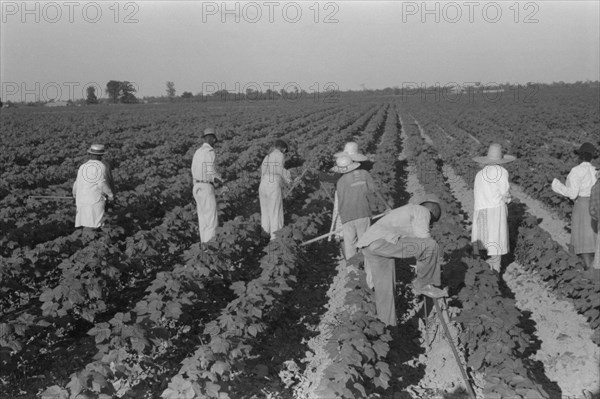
x,y
273,175
403,233
204,175
91,190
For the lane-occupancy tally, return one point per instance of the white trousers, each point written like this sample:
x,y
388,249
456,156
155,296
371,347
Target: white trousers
x,y
206,203
271,207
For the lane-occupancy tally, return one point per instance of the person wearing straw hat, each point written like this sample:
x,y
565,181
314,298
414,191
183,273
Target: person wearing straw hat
x,y
204,175
352,191
491,192
91,190
273,176
403,233
578,187
350,150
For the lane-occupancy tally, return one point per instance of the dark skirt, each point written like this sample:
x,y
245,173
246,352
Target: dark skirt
x,y
583,228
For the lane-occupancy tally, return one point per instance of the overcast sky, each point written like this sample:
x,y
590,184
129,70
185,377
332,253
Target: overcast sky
x,y
64,46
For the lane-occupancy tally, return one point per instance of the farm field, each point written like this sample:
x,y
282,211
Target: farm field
x,y
137,310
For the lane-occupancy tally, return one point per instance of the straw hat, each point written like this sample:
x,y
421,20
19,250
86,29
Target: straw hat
x,y
97,149
344,164
495,156
351,150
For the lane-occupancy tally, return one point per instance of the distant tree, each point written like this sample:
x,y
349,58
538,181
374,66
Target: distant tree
x,y
187,94
91,95
127,91
252,94
171,90
221,95
121,92
113,89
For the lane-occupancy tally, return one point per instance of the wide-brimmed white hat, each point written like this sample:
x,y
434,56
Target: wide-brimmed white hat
x,y
97,149
495,156
344,164
351,150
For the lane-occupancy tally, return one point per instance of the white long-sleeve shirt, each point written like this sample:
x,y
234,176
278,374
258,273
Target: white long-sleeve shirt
x,y
410,220
91,186
491,188
203,164
272,170
579,182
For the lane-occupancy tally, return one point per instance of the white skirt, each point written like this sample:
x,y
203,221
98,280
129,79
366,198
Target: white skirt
x,y
490,228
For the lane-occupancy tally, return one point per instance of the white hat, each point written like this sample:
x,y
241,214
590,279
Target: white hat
x,y
351,150
495,156
344,164
97,149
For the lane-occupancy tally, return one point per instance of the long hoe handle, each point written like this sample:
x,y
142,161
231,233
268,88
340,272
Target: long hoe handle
x,y
451,342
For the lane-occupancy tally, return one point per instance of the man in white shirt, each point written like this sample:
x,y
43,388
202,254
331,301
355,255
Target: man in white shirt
x,y
91,190
204,176
403,233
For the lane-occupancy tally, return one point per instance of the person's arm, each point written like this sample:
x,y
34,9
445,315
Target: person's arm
x,y
285,174
572,185
421,220
105,187
505,187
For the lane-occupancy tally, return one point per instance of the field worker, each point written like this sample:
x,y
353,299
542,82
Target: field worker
x,y
578,187
403,233
91,190
351,150
352,191
273,176
205,175
491,193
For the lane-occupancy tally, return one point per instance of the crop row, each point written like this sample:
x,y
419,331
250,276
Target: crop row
x,y
131,376
491,324
357,345
535,249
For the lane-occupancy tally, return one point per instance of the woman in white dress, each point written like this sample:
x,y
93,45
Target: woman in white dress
x,y
273,177
491,193
578,187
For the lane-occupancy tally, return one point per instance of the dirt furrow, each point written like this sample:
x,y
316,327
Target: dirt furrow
x,y
550,222
441,371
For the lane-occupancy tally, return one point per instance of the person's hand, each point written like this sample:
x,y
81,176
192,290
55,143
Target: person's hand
x,y
387,211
